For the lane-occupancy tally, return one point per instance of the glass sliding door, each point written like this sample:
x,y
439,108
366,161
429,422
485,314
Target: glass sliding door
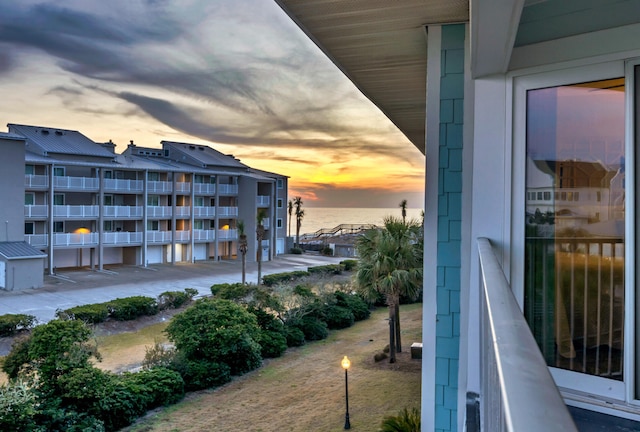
x,y
574,287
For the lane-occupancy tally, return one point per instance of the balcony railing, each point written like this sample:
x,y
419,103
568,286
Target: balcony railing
x,y
32,181
266,223
75,211
262,201
204,235
122,185
73,239
37,240
36,211
159,187
228,189
230,234
159,211
77,183
518,392
204,189
204,211
122,211
183,187
183,211
158,236
121,238
183,236
228,211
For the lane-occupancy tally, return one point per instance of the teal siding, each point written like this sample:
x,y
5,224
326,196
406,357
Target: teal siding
x,y
449,226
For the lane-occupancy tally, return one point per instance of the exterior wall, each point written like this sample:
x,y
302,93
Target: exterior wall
x,y
12,181
24,274
247,211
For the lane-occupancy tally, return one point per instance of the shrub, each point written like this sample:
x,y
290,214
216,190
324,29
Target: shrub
x,y
130,308
173,299
380,356
313,328
338,317
354,303
296,251
406,421
326,269
158,355
349,264
90,314
227,291
17,358
17,407
295,336
327,251
163,386
272,343
281,278
11,323
201,374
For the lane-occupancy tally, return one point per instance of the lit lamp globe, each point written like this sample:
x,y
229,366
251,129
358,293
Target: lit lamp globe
x,y
346,363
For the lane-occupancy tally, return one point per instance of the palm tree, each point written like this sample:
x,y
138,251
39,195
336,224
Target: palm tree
x,y
243,247
290,213
260,216
403,206
297,203
390,265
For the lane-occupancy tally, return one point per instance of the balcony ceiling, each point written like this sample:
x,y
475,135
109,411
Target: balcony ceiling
x,y
380,45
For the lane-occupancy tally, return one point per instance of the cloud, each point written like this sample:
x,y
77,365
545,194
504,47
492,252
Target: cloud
x,y
332,196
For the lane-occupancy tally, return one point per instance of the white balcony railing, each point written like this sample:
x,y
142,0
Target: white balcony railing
x,y
159,187
37,240
204,235
158,236
75,211
77,183
518,392
72,239
122,238
183,187
159,211
122,185
36,211
204,211
183,211
228,211
230,234
228,189
32,181
122,211
262,201
182,236
204,189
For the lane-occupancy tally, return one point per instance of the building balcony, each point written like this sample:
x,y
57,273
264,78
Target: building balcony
x,y
76,183
75,211
158,236
123,185
122,212
159,211
204,189
204,212
227,211
183,236
228,189
204,235
75,239
159,187
36,211
230,234
32,181
37,240
183,187
263,200
121,238
183,211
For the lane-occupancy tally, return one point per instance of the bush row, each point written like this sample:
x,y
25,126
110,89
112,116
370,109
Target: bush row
x,y
10,324
128,308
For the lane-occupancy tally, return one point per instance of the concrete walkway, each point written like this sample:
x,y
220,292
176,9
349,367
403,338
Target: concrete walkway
x,y
78,287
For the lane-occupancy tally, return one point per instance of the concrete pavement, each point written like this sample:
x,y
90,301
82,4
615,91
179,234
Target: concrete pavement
x,y
78,287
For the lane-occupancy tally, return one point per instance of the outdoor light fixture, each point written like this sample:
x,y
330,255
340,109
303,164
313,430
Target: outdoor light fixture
x,y
346,363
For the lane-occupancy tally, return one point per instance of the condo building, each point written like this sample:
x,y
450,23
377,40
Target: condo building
x,y
71,202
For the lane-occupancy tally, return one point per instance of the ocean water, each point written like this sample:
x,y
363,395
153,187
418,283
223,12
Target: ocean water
x,y
316,218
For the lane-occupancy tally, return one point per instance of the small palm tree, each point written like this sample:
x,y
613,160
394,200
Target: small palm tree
x,y
297,203
403,206
260,217
243,247
406,421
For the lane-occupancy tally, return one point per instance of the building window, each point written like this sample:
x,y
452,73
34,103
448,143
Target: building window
x,y
279,223
108,225
198,224
108,200
198,201
29,169
279,202
280,184
153,200
153,225
58,171
153,176
212,179
108,174
212,224
58,199
29,228
58,227
29,199
198,178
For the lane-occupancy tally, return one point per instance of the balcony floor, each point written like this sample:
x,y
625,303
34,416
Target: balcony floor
x,y
590,421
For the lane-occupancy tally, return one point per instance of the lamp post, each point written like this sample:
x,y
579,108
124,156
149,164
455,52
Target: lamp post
x,y
345,365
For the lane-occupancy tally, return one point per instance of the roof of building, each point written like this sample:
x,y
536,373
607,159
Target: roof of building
x,y
206,155
7,135
19,250
61,141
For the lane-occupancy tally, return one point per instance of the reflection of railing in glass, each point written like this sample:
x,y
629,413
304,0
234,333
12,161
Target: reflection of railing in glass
x,y
574,302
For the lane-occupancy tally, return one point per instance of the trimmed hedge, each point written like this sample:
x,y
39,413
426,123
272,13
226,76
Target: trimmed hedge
x,y
349,264
230,291
130,308
326,269
10,324
175,299
90,314
279,278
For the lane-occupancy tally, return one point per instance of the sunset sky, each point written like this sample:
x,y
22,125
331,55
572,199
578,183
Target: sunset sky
x,y
237,75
